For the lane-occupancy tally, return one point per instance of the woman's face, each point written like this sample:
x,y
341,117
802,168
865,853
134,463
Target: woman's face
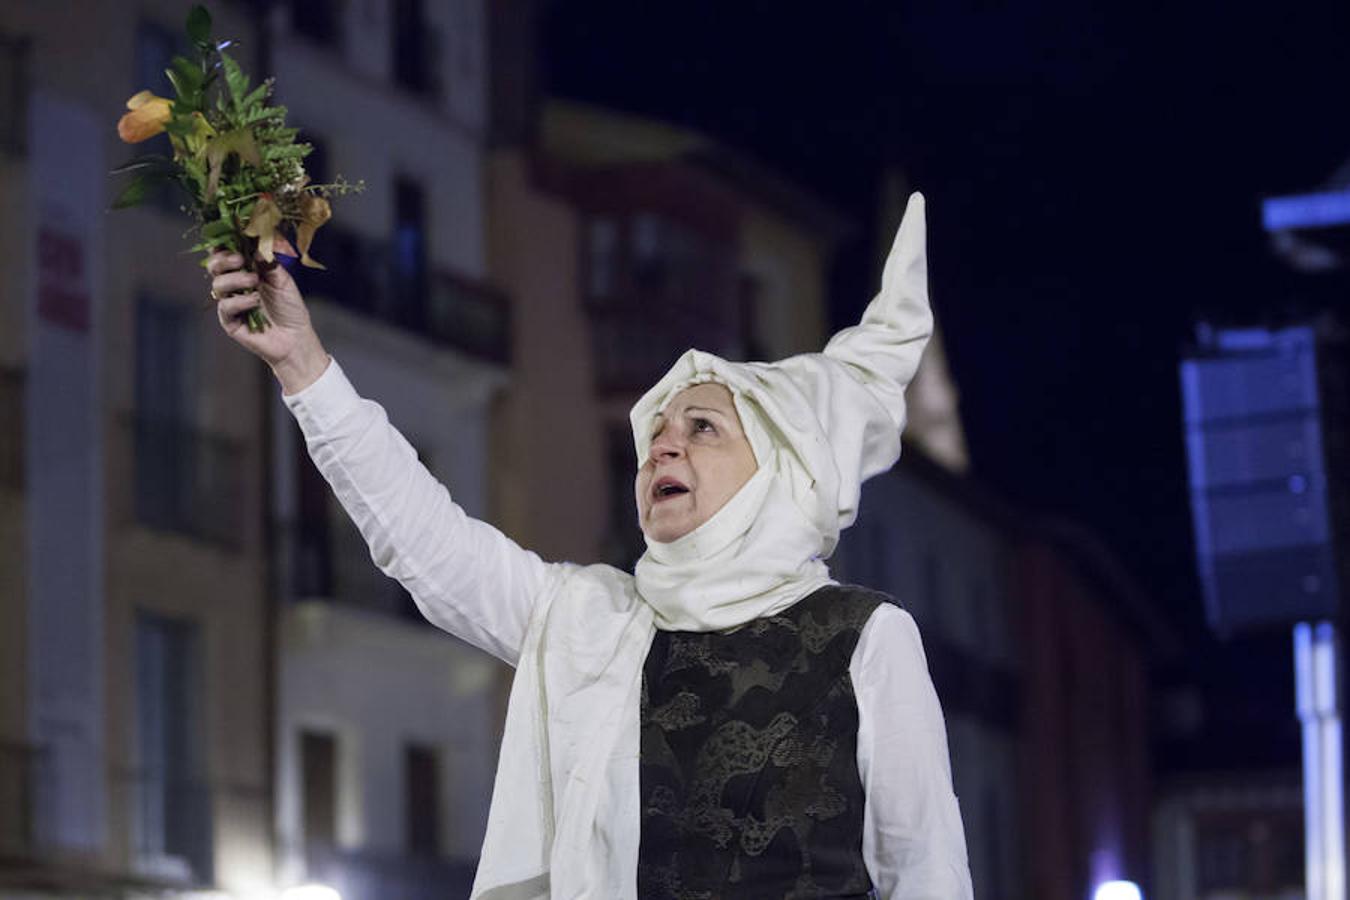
x,y
698,460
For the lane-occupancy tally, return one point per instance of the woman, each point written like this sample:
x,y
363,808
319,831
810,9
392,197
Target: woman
x,y
727,721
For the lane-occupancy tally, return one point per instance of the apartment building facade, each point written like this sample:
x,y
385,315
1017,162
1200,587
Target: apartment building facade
x,y
623,243
386,727
134,712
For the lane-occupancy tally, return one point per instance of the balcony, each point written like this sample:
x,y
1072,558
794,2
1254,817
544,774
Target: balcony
x,y
331,562
635,344
364,875
25,778
11,430
188,481
654,288
452,311
171,829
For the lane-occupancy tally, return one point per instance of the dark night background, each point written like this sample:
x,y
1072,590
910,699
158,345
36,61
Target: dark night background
x,y
1094,176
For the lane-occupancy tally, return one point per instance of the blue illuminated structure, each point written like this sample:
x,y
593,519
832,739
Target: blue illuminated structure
x,y
1266,435
1261,487
1317,683
1326,209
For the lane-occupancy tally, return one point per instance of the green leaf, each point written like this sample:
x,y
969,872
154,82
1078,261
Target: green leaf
x,y
235,79
134,193
258,95
199,26
153,162
179,126
186,79
217,228
197,172
212,243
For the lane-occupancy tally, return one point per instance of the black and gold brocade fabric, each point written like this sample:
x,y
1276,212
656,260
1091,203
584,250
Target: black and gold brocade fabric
x,y
749,768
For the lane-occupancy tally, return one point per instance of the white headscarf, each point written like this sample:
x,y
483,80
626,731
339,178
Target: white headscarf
x,y
564,820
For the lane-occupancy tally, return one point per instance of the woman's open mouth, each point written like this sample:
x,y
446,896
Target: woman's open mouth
x,y
667,487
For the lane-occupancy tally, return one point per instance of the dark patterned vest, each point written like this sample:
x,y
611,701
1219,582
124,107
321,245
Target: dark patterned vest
x,y
749,768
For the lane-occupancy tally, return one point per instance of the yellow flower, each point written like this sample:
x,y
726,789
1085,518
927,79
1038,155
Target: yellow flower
x,y
147,117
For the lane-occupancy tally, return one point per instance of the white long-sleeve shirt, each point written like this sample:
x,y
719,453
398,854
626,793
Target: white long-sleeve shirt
x,y
474,582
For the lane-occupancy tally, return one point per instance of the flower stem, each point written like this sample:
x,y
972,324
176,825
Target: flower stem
x,y
248,247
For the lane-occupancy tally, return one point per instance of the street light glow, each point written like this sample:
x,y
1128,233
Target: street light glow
x,y
310,892
1117,890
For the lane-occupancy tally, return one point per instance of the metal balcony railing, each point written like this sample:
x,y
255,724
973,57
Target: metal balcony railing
x,y
11,429
187,480
333,564
451,310
170,824
635,344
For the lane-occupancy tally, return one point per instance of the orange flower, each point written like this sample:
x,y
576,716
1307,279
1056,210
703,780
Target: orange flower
x,y
147,117
262,224
314,211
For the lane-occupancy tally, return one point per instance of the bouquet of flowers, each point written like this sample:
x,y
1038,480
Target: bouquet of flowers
x,y
239,166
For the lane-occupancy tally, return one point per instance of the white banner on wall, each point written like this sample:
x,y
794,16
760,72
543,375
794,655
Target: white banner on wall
x,y
65,473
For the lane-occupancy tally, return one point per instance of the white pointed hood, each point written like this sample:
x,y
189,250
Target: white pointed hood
x,y
820,424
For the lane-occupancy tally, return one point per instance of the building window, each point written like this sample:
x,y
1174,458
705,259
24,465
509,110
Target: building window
x,y
749,296
186,480
166,371
317,164
602,258
318,788
332,560
672,262
318,20
650,250
14,88
171,802
409,252
312,562
422,788
156,46
165,388
12,424
415,44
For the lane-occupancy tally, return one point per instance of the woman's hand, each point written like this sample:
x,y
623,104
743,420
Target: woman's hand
x,y
289,343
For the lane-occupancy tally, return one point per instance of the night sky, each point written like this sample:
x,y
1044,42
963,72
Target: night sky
x,y
1094,176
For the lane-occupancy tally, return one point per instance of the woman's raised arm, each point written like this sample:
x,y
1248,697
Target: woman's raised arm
x,y
466,576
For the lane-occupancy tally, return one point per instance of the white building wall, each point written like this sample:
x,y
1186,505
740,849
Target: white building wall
x,y
376,682
378,685
375,131
457,28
